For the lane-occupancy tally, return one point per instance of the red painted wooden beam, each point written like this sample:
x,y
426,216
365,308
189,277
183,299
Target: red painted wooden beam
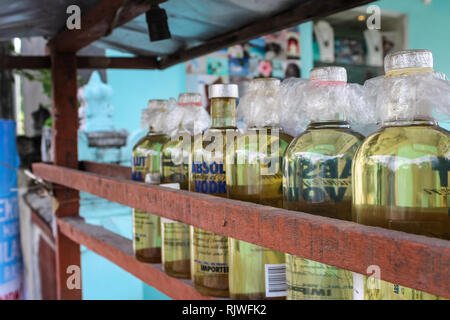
x,y
414,261
105,169
118,250
64,141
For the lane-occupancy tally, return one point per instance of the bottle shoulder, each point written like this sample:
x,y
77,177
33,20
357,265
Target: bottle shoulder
x,y
151,142
407,141
245,137
325,141
254,146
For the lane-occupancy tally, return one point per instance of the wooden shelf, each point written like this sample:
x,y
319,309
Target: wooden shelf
x,y
119,250
410,260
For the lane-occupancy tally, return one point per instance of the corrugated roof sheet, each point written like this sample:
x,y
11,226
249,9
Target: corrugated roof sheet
x,y
191,22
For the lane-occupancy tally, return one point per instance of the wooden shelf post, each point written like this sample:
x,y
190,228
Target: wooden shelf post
x,y
64,141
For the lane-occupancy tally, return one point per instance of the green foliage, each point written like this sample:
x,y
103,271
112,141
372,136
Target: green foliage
x,y
48,122
45,77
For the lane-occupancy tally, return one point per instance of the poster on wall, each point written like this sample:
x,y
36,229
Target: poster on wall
x,y
275,55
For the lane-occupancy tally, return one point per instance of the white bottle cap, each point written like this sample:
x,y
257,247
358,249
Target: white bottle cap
x,y
408,59
223,91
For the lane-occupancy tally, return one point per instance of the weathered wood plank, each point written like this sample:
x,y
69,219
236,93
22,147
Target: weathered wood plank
x,y
98,22
414,261
64,131
118,250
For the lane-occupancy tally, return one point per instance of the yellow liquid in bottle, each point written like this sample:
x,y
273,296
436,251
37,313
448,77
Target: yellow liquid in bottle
x,y
400,181
209,251
259,182
317,180
146,226
175,235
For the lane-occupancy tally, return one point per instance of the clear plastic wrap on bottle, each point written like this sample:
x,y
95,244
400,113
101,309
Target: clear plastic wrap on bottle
x,y
189,115
291,115
259,107
156,115
409,96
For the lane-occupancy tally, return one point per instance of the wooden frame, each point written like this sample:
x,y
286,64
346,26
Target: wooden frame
x,y
64,140
83,62
410,260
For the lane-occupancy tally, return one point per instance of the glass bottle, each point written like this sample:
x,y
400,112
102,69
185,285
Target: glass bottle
x,y
209,252
401,172
145,168
316,180
254,174
175,170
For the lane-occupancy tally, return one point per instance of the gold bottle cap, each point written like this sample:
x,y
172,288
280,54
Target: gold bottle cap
x,y
224,91
332,74
406,59
190,99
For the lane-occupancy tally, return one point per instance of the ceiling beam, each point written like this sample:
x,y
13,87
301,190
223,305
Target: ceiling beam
x,y
88,62
99,22
25,62
83,62
305,11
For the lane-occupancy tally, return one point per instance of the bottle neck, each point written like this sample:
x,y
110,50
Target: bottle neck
x,y
152,132
328,124
403,104
223,113
328,117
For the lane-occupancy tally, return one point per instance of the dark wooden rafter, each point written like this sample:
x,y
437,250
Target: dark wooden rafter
x,y
414,261
99,22
117,63
83,62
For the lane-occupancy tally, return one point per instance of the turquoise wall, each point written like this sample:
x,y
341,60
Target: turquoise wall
x,y
428,27
133,89
306,47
